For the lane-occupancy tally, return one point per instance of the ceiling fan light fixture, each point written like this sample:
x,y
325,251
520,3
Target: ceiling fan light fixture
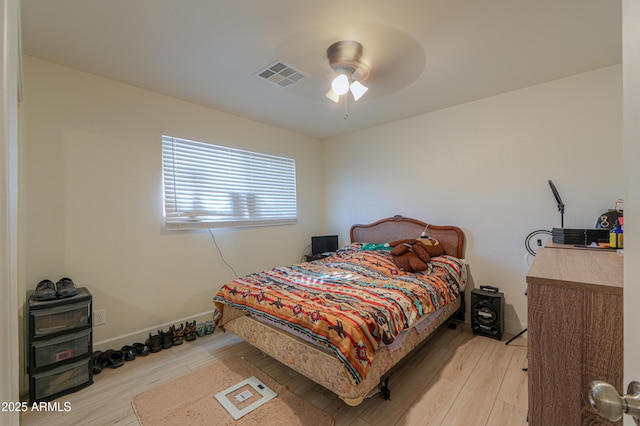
x,y
358,89
345,58
340,84
333,96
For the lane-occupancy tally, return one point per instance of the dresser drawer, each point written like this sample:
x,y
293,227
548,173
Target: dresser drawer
x,y
60,319
61,348
61,380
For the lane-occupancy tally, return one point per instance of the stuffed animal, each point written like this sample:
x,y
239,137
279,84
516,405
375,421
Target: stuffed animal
x,y
433,246
413,255
410,255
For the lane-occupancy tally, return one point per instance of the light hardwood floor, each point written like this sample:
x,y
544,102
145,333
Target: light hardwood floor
x,y
457,378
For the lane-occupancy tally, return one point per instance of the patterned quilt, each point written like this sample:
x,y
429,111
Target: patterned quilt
x,y
351,302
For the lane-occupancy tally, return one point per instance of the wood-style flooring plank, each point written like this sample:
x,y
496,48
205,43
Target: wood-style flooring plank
x,y
431,405
503,414
475,400
514,388
468,350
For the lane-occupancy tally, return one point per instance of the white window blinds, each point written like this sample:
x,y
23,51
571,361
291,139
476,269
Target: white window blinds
x,y
211,186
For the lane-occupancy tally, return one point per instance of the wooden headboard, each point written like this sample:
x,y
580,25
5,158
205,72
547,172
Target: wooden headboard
x,y
400,228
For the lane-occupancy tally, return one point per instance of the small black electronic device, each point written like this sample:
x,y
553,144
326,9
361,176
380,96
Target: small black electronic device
x,y
487,312
324,244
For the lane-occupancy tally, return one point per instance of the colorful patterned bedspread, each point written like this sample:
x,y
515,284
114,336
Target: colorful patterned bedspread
x,y
350,302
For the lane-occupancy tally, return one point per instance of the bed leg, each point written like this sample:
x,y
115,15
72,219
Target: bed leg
x,y
385,392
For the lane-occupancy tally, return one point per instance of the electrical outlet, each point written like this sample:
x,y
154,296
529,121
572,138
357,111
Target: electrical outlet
x,y
100,317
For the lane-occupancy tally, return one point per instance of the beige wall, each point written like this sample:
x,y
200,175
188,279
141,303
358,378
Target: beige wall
x,y
484,166
93,203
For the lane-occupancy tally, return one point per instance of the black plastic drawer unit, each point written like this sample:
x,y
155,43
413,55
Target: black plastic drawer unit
x,y
60,346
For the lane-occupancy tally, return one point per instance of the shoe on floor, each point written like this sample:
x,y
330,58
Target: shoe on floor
x,y
100,361
167,338
141,349
116,358
129,352
200,330
45,290
190,331
154,342
66,288
178,335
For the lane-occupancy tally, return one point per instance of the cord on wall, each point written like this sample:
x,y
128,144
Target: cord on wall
x,y
302,258
220,252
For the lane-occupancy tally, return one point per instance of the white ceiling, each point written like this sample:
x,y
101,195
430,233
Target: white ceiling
x,y
424,55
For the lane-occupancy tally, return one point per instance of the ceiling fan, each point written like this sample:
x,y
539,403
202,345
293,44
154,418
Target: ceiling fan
x,y
345,58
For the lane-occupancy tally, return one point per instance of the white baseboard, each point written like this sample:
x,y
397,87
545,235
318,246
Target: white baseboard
x,y
118,342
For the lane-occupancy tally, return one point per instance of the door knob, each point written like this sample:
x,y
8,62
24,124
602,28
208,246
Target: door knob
x,y
606,401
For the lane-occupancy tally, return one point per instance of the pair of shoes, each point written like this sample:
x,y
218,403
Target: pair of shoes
x,y
167,338
190,331
99,360
154,342
208,327
47,290
141,349
178,335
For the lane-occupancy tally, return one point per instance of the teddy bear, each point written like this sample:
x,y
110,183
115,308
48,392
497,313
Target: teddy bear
x,y
410,255
433,246
413,255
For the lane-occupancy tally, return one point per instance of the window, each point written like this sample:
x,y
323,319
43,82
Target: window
x,y
211,186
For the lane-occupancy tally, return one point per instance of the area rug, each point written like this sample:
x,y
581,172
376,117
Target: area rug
x,y
189,400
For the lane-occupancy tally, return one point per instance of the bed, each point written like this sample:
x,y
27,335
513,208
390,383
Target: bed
x,y
346,320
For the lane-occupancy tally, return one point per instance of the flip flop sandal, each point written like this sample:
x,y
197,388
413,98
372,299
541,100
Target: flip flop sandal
x,y
129,353
99,360
208,327
154,343
116,358
190,331
45,290
200,330
141,349
66,288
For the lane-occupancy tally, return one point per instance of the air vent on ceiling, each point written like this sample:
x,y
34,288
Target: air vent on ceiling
x,y
281,74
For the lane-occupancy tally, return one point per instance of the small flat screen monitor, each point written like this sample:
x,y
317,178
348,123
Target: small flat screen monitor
x,y
324,244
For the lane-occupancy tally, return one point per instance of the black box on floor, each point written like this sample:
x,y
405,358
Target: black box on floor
x,y
487,312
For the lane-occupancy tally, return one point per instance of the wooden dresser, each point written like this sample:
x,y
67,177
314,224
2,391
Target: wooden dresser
x,y
575,330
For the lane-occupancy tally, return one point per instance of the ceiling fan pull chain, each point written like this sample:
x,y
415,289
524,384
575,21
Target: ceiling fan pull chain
x,y
346,107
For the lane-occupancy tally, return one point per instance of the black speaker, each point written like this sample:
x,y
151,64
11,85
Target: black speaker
x,y
487,312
